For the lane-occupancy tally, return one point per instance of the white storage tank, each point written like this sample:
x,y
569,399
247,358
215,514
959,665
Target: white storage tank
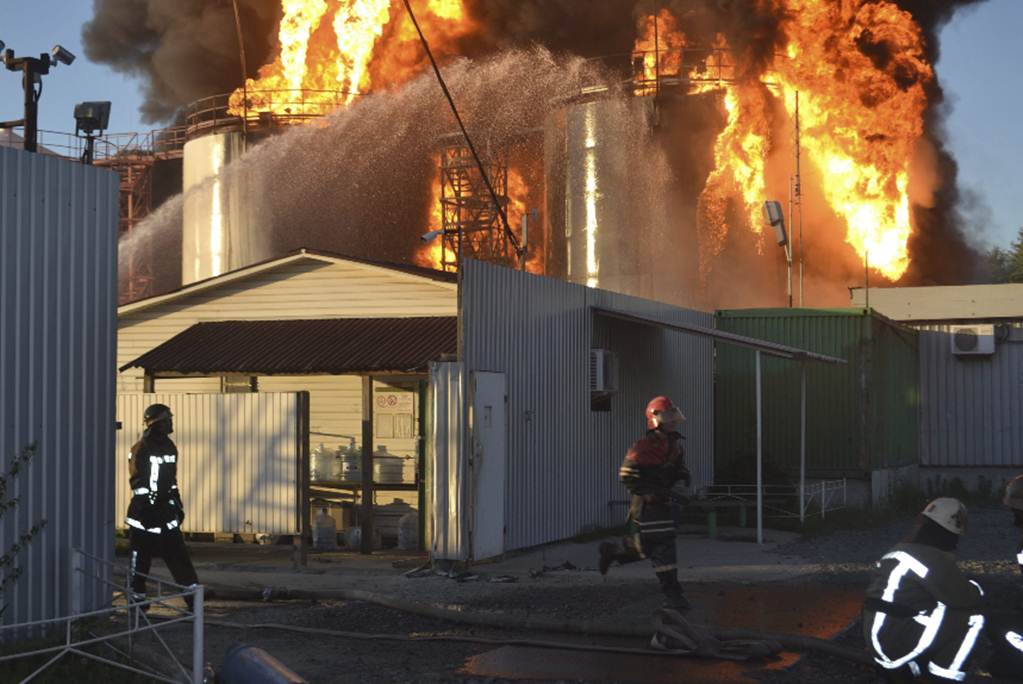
x,y
221,214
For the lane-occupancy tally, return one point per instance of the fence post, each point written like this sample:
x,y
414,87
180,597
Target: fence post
x,y
198,654
77,581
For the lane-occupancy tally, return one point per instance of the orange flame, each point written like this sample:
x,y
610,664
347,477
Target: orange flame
x,y
860,115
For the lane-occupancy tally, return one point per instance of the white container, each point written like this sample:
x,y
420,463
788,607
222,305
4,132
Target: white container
x,y
408,532
324,532
387,469
323,466
349,463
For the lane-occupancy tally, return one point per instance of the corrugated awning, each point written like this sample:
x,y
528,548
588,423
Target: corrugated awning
x,y
303,347
772,348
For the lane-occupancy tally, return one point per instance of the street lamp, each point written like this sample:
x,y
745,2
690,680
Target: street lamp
x,y
33,69
775,217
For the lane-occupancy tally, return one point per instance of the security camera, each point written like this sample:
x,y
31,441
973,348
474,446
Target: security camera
x,y
62,55
2,45
431,236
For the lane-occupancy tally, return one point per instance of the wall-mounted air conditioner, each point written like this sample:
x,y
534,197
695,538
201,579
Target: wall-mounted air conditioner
x,y
973,340
603,371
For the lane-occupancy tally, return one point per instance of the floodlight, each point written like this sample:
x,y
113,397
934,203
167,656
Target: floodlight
x,y
92,116
776,217
431,236
61,54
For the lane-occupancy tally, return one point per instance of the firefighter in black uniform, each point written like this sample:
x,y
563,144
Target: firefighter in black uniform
x,y
155,513
650,471
922,616
1005,628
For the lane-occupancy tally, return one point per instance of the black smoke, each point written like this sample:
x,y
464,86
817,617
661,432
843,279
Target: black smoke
x,y
181,50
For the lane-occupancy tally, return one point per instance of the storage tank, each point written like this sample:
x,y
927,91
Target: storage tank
x,y
221,229
606,186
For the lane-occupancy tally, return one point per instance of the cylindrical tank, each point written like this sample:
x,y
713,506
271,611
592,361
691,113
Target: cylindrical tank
x,y
324,531
349,460
387,468
221,230
606,189
250,665
323,464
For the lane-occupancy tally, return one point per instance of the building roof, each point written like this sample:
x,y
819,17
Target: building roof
x,y
331,346
410,270
771,348
944,303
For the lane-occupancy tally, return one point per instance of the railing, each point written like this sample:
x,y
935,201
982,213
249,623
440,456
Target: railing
x,y
262,108
86,567
113,147
783,501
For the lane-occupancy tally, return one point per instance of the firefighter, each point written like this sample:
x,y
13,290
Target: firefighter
x,y
1005,628
922,617
650,471
155,513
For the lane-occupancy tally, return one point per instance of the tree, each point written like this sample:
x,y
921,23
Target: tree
x,y
1006,265
9,572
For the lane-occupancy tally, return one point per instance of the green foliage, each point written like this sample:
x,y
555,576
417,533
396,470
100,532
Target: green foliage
x,y
9,572
1006,265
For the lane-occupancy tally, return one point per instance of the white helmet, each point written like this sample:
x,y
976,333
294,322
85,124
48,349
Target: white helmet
x,y
1014,493
948,512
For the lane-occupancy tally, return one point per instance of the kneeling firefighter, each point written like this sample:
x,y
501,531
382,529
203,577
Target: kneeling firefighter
x,y
155,512
922,617
651,468
1005,629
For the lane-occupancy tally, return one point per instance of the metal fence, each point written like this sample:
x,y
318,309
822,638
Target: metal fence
x,y
239,458
74,633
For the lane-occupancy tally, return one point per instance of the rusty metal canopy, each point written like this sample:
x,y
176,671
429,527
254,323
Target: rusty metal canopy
x,y
331,346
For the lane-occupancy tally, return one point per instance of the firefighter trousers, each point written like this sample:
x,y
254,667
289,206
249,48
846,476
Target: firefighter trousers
x,y
169,545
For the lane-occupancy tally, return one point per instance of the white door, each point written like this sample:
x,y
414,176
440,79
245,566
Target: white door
x,y
489,434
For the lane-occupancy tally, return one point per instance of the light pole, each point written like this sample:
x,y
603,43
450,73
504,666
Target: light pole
x,y
775,217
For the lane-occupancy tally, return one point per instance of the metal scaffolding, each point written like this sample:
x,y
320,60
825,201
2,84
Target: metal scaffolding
x,y
470,223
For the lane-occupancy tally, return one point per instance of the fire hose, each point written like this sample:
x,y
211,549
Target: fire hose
x,y
790,642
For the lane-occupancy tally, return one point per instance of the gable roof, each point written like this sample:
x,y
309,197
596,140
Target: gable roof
x,y
442,278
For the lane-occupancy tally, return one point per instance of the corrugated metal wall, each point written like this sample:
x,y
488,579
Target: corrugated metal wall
x,y
563,458
58,293
971,406
237,463
860,416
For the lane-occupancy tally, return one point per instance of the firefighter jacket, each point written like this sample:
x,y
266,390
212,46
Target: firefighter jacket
x,y
653,465
153,473
1019,555
921,613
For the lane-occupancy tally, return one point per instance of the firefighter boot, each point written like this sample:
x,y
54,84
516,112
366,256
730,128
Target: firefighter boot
x,y
674,597
611,552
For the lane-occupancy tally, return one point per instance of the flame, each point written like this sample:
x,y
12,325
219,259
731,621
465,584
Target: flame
x,y
660,46
431,255
332,51
861,76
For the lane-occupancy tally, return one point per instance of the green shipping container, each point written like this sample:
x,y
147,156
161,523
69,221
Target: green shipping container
x,y
861,416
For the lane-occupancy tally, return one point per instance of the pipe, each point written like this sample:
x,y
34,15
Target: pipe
x,y
250,665
503,621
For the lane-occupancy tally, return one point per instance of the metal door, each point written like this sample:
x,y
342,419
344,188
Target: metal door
x,y
489,450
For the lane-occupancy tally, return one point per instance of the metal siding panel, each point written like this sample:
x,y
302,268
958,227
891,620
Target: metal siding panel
x,y
970,407
59,225
237,463
563,459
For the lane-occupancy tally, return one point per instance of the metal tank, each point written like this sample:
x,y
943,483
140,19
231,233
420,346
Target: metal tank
x,y
221,230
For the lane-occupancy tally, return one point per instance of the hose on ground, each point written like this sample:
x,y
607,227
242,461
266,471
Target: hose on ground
x,y
790,642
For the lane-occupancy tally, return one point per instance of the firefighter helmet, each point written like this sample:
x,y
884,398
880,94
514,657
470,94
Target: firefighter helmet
x,y
662,412
154,413
948,512
1014,493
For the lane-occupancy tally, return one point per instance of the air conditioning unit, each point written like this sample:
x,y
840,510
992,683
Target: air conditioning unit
x,y
603,371
973,340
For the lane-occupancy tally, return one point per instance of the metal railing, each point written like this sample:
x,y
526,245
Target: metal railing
x,y
261,108
86,567
113,147
783,501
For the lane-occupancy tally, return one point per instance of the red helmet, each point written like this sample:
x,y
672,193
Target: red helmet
x,y
661,411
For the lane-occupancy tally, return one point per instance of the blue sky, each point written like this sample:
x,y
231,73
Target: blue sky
x,y
979,69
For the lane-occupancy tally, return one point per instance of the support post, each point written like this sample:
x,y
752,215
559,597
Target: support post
x,y
198,651
148,383
31,106
366,513
760,457
303,523
802,442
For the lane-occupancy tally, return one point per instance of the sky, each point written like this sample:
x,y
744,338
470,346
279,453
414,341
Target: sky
x,y
979,69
